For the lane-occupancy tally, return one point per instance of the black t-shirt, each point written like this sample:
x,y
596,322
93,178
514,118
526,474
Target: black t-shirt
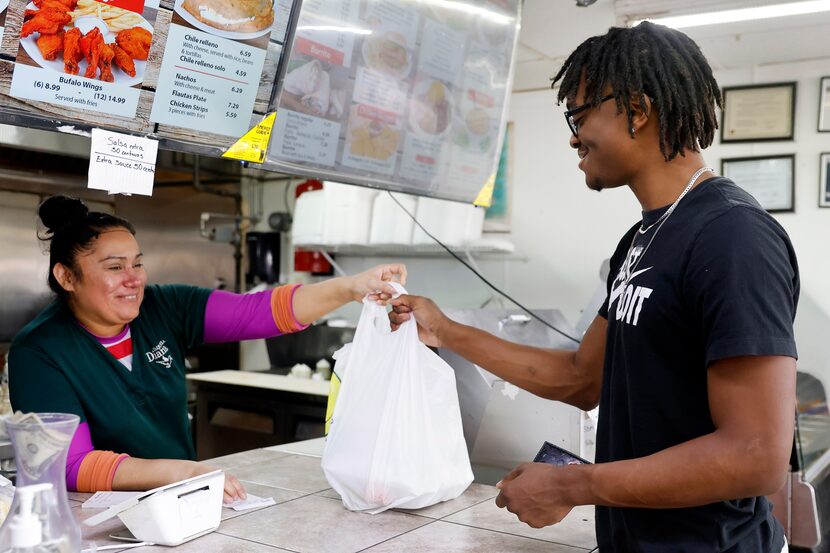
x,y
719,280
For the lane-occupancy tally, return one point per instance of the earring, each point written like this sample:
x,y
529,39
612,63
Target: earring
x,y
632,131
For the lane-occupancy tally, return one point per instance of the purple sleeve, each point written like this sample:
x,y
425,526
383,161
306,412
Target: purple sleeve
x,y
232,317
79,448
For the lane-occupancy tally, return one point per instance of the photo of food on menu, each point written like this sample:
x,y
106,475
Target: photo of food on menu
x,y
415,93
3,5
212,65
249,21
315,87
87,38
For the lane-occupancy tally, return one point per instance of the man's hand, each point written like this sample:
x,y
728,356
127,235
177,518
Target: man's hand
x,y
431,321
374,282
536,493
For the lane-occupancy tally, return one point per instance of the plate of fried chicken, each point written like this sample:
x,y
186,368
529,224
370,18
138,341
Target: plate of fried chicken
x,y
88,39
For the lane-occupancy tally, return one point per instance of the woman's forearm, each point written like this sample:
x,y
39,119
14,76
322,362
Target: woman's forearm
x,y
312,301
146,474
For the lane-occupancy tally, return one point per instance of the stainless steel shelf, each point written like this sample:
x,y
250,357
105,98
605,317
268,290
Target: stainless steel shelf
x,y
412,250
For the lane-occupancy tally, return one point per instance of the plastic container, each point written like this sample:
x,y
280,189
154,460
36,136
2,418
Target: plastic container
x,y
445,220
390,225
475,224
347,213
337,214
307,227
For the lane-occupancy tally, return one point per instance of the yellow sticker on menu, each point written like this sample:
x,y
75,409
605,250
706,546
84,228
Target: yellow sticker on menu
x,y
253,145
485,196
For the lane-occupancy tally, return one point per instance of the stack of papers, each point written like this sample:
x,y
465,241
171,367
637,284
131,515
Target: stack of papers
x,y
250,502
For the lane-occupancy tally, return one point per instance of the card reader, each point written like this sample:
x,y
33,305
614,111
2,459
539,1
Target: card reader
x,y
172,514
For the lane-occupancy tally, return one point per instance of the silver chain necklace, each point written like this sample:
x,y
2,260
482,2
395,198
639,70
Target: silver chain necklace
x,y
671,208
661,221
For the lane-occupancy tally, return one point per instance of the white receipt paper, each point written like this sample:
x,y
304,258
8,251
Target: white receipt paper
x,y
250,502
122,164
103,500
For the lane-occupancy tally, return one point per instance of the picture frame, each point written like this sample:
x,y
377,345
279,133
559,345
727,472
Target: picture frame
x,y
824,180
770,179
758,113
824,105
497,216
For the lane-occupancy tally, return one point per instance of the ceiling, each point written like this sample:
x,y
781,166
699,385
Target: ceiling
x,y
551,29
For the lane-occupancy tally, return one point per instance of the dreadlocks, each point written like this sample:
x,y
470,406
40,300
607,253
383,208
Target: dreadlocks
x,y
655,61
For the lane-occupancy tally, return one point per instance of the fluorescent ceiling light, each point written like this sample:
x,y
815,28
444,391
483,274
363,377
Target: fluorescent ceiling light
x,y
472,8
743,14
335,29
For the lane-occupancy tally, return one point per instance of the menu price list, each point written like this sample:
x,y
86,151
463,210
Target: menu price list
x,y
307,138
73,91
207,83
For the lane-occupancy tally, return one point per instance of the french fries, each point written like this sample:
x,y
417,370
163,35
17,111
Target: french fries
x,y
117,19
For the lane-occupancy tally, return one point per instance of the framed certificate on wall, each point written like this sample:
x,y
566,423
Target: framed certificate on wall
x,y
768,178
824,105
824,181
758,113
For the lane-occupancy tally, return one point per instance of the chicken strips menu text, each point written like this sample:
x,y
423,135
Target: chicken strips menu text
x,y
403,94
85,54
212,65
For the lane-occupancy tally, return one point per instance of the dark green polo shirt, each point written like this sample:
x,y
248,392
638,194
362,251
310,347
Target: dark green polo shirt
x,y
57,366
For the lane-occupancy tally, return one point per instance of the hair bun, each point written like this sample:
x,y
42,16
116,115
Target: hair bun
x,y
56,211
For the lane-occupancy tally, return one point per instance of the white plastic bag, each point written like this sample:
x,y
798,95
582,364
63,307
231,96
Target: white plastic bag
x,y
396,438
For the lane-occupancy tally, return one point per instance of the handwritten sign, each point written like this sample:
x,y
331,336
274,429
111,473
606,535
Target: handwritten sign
x,y
122,164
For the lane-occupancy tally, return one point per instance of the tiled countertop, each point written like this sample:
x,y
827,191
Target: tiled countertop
x,y
308,517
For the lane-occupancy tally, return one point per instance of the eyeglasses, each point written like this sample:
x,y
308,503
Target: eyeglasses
x,y
569,115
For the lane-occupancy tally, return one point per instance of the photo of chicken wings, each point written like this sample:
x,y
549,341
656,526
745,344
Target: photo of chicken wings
x,y
45,22
91,48
72,53
69,5
50,45
98,40
135,42
105,55
123,60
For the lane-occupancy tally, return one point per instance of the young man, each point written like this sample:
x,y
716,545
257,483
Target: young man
x,y
692,356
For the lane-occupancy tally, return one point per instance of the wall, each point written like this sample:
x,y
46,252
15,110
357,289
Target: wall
x,y
568,229
809,226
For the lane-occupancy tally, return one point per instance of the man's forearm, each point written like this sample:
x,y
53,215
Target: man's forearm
x,y
552,374
712,468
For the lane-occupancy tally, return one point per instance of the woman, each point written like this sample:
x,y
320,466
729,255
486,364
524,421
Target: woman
x,y
111,348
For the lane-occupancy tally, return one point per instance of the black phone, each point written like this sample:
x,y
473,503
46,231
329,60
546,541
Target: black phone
x,y
555,455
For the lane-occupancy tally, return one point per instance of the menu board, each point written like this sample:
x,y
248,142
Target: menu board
x,y
400,94
212,63
3,5
194,74
85,54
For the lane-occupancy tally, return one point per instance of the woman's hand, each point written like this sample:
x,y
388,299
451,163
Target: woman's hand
x,y
374,283
431,320
233,488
